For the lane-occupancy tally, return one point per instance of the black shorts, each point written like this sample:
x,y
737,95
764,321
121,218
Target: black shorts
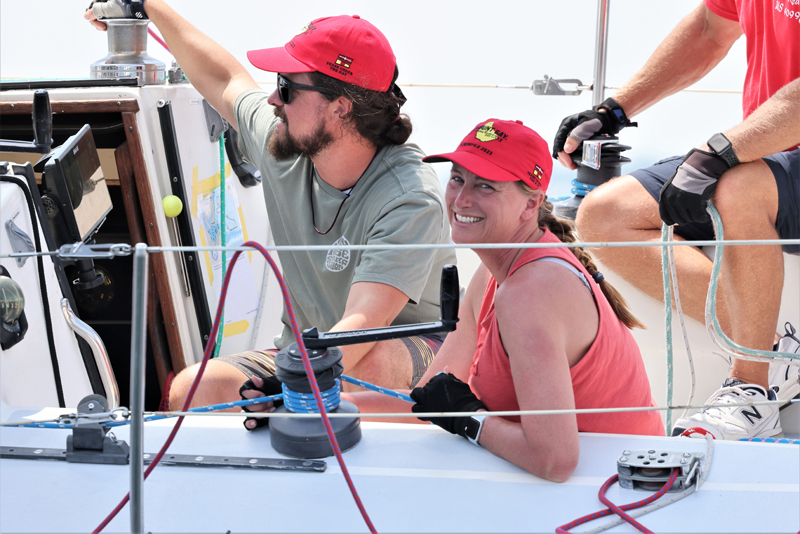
x,y
785,166
262,362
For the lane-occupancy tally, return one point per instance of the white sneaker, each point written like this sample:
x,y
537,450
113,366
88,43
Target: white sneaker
x,y
735,422
784,378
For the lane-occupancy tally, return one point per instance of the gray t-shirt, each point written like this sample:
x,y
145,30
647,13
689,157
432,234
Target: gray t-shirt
x,y
398,200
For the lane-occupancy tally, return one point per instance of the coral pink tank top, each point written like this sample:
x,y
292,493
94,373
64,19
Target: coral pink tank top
x,y
610,374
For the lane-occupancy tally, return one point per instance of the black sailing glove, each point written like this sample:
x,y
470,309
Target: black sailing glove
x,y
272,386
684,197
118,9
585,124
446,393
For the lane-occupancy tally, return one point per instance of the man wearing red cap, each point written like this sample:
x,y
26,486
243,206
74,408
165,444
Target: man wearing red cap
x,y
330,145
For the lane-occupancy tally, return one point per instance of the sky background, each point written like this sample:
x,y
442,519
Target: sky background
x,y
436,42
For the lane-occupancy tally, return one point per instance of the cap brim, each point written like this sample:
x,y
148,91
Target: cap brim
x,y
476,165
276,60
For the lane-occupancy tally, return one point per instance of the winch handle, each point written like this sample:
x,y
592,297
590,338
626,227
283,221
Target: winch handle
x,y
42,120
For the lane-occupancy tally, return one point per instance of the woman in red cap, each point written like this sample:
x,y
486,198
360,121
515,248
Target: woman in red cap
x,y
539,327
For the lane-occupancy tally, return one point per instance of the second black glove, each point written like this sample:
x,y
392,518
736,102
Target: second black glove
x,y
272,386
446,393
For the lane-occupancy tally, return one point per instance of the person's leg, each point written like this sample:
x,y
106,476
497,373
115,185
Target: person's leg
x,y
747,200
624,210
220,383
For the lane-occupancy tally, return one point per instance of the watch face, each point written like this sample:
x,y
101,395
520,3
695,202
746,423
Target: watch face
x,y
472,428
718,144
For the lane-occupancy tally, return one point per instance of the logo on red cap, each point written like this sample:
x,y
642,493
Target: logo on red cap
x,y
536,175
308,28
344,61
488,133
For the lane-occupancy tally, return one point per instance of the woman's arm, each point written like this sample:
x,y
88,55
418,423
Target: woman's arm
x,y
547,320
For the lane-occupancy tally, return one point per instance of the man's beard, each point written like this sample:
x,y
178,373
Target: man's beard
x,y
285,147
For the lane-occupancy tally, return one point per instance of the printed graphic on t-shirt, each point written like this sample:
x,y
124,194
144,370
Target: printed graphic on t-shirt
x,y
337,259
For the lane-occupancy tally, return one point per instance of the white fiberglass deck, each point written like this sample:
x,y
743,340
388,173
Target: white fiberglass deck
x,y
412,478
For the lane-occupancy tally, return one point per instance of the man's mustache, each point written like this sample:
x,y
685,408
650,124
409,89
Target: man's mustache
x,y
280,114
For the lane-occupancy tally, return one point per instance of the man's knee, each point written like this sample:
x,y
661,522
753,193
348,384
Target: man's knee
x,y
747,194
220,383
618,205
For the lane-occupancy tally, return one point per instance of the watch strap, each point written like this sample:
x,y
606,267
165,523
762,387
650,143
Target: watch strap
x,y
479,420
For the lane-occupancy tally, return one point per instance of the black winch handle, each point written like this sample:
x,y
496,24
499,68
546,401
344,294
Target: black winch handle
x,y
449,300
42,120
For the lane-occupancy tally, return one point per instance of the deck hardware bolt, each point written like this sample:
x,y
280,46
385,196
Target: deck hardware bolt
x,y
172,324
175,179
651,452
191,258
652,457
151,225
626,453
13,106
130,128
254,461
119,103
205,338
684,461
623,459
199,459
686,454
91,406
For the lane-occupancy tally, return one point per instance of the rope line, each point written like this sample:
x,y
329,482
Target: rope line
x,y
712,323
206,356
619,510
665,236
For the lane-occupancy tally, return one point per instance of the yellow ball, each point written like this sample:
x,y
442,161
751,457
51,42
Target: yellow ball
x,y
172,206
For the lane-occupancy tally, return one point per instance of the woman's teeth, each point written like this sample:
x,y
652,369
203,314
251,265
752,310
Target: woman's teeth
x,y
461,218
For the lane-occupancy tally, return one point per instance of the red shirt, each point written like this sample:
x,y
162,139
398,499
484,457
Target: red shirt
x,y
610,374
772,29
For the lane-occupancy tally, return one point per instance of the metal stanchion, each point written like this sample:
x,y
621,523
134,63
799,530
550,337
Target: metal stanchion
x,y
138,347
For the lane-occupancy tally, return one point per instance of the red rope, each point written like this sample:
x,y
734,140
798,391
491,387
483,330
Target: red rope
x,y
619,510
207,355
158,39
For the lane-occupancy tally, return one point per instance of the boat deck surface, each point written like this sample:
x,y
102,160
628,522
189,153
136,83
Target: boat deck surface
x,y
412,478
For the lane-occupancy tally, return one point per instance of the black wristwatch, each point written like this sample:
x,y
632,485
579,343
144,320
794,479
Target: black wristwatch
x,y
720,146
474,427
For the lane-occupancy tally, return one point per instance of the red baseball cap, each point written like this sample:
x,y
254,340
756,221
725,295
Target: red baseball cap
x,y
503,151
344,47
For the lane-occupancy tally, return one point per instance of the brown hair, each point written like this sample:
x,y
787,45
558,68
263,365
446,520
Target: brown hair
x,y
375,115
565,231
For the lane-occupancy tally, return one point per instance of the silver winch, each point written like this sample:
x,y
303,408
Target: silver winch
x,y
127,54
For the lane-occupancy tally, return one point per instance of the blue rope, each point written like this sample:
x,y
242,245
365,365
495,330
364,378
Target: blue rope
x,y
367,385
294,401
773,440
579,189
305,403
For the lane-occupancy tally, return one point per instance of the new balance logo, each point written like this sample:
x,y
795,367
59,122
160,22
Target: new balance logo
x,y
755,414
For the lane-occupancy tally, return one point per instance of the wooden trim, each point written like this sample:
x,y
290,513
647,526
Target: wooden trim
x,y
121,105
155,327
153,239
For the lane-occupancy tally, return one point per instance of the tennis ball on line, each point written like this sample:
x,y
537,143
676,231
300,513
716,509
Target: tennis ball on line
x,y
172,206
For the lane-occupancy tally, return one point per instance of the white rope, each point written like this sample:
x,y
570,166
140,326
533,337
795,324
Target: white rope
x,y
674,277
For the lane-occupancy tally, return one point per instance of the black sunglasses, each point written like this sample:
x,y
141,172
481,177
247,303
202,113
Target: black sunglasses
x,y
286,86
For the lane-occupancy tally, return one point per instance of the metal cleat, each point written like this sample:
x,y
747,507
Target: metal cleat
x,y
649,470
